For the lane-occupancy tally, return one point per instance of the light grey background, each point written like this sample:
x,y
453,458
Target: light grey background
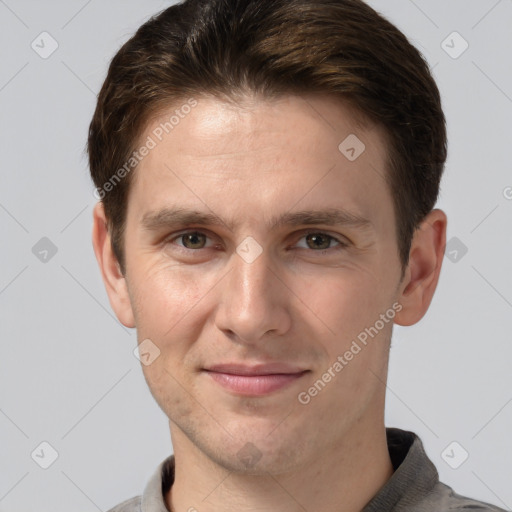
x,y
67,372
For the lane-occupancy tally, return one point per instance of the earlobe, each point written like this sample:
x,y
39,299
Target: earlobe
x,y
422,274
113,279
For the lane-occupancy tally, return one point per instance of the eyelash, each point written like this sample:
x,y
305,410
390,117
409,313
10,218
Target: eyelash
x,y
341,244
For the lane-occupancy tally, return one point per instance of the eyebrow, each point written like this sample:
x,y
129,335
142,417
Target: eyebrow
x,y
172,217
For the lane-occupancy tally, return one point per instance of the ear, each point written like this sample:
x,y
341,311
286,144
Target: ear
x,y
113,279
422,273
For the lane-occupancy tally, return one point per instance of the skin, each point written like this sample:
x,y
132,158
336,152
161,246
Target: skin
x,y
201,303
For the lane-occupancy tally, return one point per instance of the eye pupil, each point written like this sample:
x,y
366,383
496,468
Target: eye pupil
x,y
191,240
317,240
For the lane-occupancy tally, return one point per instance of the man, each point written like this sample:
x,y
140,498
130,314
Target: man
x,y
267,171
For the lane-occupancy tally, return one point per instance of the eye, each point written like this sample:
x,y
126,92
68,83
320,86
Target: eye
x,y
191,240
314,240
319,241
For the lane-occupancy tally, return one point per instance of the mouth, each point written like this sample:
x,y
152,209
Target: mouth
x,y
255,380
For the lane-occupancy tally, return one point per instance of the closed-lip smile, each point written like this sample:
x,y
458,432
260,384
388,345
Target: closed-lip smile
x,y
254,380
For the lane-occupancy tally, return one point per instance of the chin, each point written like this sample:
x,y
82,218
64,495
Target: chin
x,y
252,454
254,462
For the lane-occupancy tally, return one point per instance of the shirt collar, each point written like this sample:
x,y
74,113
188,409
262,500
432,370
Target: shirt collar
x,y
414,475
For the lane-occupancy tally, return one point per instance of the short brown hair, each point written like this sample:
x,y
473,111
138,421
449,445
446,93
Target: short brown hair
x,y
228,48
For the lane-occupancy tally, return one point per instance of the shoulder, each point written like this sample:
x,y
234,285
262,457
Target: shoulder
x,y
415,486
130,505
443,497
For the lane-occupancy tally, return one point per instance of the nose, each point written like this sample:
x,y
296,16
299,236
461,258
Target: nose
x,y
254,301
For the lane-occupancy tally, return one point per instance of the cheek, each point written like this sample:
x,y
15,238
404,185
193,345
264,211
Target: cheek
x,y
172,306
166,387
349,304
342,299
163,295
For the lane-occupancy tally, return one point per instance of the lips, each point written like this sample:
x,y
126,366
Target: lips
x,y
254,380
256,369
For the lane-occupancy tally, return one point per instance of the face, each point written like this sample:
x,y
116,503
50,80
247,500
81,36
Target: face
x,y
262,265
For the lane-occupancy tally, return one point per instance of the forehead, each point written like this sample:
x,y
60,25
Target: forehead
x,y
270,153
219,125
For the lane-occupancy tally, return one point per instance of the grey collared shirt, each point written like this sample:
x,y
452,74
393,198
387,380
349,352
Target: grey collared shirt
x,y
413,487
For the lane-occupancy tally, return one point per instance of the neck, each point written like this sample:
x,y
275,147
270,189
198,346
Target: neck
x,y
344,478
